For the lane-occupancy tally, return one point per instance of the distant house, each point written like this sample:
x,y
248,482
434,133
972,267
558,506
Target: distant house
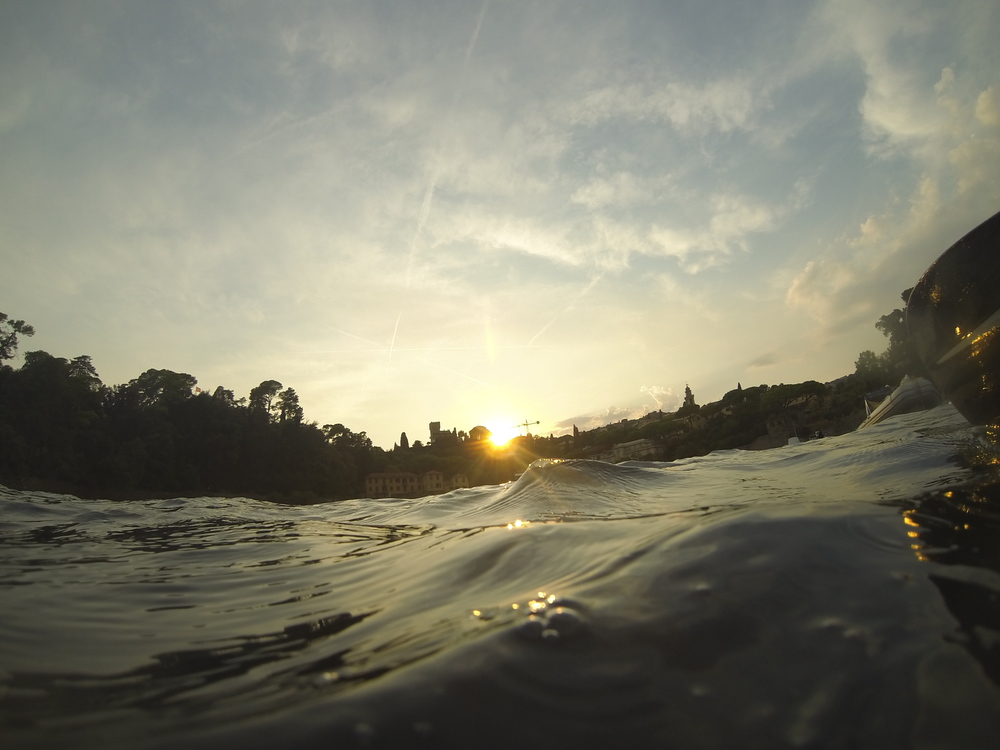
x,y
432,482
479,433
407,484
392,484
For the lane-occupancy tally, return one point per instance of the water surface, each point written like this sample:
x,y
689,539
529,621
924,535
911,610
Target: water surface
x,y
840,593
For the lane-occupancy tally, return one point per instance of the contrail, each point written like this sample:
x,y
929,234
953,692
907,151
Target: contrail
x,y
376,349
351,335
425,206
570,306
392,344
425,211
544,329
456,372
475,33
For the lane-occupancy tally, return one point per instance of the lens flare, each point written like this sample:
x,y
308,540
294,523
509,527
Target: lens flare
x,y
503,435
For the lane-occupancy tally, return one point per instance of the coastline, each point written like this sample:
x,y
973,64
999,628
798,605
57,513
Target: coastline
x,y
119,494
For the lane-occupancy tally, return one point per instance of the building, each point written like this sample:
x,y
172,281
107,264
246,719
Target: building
x,y
442,437
392,484
407,484
432,482
479,433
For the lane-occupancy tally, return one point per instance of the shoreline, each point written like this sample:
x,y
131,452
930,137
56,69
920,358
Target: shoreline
x,y
119,494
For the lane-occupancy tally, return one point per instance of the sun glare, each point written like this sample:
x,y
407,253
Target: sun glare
x,y
503,434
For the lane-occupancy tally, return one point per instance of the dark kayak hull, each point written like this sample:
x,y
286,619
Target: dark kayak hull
x,y
953,318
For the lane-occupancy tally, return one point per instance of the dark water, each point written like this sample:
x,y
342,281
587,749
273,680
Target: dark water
x,y
842,593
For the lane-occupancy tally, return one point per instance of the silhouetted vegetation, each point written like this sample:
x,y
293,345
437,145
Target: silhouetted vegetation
x,y
756,417
61,428
899,359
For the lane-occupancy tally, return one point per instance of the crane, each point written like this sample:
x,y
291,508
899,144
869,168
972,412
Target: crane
x,y
526,424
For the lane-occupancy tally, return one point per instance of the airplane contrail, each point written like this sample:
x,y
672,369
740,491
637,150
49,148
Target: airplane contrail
x,y
392,344
425,211
583,292
359,338
375,349
425,206
475,33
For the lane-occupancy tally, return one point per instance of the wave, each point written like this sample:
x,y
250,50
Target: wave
x,y
838,593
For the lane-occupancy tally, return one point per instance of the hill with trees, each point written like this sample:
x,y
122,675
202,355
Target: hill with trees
x,y
159,434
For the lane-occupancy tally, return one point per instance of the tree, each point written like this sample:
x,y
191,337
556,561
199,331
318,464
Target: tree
x,y
227,397
899,358
82,369
735,396
9,331
797,394
333,431
288,406
869,369
404,442
162,387
262,397
51,417
342,437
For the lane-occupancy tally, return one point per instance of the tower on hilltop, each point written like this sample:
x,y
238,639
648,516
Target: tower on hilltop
x,y
688,396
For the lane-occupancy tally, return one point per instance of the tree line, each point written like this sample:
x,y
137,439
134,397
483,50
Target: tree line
x,y
62,427
744,415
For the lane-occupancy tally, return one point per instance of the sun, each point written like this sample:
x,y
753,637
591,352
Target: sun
x,y
503,435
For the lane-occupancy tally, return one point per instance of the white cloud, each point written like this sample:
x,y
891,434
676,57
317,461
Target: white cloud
x,y
724,104
988,107
816,288
733,218
663,397
610,415
935,124
603,181
896,106
621,189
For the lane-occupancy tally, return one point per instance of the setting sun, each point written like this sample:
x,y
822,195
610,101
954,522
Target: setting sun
x,y
503,434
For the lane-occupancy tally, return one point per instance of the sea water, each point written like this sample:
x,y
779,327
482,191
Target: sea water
x,y
838,593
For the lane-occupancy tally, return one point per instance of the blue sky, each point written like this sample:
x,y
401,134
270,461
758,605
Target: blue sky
x,y
485,213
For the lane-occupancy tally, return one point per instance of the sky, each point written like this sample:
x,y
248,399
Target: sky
x,y
486,212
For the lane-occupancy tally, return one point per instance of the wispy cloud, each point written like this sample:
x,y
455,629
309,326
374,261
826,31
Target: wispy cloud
x,y
957,158
459,206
